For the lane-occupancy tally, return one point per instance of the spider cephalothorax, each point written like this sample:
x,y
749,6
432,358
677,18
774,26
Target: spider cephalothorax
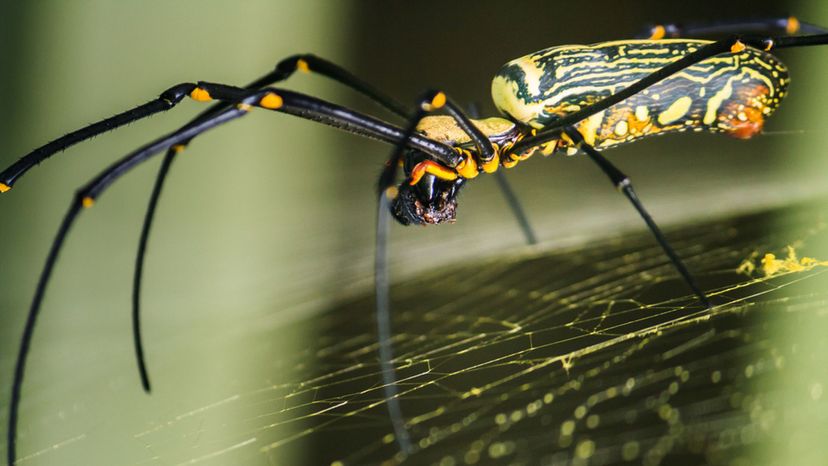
x,y
429,193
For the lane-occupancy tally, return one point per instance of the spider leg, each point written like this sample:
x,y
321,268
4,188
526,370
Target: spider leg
x,y
172,96
312,64
789,25
515,206
167,100
284,69
84,197
292,103
509,194
430,102
622,183
731,44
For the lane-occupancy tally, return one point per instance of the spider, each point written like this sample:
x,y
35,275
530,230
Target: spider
x,y
562,99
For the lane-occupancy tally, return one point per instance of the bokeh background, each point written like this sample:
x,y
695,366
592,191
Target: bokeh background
x,y
269,219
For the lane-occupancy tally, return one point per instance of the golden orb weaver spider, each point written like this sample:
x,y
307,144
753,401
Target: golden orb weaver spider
x,y
434,100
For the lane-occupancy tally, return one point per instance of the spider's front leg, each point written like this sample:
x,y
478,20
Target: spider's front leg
x,y
85,197
419,199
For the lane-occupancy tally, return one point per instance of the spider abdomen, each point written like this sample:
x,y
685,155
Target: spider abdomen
x,y
731,93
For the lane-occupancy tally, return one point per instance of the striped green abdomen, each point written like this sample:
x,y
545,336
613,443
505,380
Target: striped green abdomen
x,y
730,93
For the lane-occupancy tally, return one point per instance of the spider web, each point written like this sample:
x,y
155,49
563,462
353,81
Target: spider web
x,y
590,355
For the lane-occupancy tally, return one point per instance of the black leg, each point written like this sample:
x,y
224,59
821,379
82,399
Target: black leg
x,y
386,193
313,64
732,44
788,25
278,100
167,100
516,207
292,103
138,275
510,196
431,101
175,94
283,70
481,142
622,183
85,198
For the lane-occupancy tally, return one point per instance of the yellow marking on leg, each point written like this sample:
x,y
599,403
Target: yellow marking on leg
x,y
200,95
510,161
302,66
391,192
491,165
792,26
437,102
433,168
548,148
4,187
178,148
675,111
272,101
87,202
737,47
243,107
467,168
658,32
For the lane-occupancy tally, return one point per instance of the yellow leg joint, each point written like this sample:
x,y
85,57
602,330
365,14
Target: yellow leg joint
x,y
491,165
391,192
4,187
437,102
433,168
566,139
87,202
658,32
178,148
200,95
792,27
737,47
510,161
272,101
467,168
302,66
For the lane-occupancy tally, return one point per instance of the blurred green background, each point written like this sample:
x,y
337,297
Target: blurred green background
x,y
270,219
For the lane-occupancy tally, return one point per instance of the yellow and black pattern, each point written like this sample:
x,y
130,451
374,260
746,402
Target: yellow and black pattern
x,y
731,93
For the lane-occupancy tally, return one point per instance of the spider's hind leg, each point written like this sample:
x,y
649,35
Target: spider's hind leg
x,y
789,25
622,183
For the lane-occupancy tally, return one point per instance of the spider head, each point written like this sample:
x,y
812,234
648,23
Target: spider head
x,y
430,201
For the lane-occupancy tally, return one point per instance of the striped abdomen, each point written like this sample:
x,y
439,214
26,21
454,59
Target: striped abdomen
x,y
731,93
